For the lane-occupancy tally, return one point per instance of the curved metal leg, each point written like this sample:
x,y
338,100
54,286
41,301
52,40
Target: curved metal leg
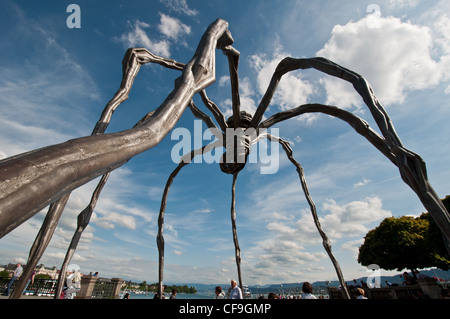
x,y
48,173
325,241
237,249
411,166
187,159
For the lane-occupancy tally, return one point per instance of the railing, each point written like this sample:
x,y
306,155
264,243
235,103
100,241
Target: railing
x,y
426,286
99,288
104,289
91,287
40,287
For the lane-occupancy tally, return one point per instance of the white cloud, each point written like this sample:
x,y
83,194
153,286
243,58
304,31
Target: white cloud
x,y
353,218
224,80
47,90
246,94
292,90
402,3
109,221
353,246
137,37
297,242
364,182
15,137
180,6
155,192
172,27
394,57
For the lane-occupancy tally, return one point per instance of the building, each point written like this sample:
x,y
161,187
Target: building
x,y
53,272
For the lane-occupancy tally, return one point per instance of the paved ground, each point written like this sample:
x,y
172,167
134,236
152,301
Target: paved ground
x,y
27,297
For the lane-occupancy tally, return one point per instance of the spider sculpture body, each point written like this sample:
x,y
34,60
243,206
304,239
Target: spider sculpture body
x,y
237,143
33,180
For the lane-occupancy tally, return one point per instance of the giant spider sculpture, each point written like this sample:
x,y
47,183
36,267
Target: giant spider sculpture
x,y
31,181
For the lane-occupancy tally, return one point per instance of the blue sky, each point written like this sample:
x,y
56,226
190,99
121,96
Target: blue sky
x,y
55,82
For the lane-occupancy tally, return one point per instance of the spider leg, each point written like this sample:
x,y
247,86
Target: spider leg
x,y
186,159
237,249
411,166
218,115
202,116
160,236
40,244
83,220
49,173
133,60
326,66
325,241
233,63
360,125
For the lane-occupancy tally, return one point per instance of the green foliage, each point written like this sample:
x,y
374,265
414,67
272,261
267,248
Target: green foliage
x,y
180,289
154,287
405,242
143,285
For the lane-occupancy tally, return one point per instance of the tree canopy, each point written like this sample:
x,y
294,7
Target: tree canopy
x,y
405,242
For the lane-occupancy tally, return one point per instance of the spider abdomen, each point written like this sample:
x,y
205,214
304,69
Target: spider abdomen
x,y
237,144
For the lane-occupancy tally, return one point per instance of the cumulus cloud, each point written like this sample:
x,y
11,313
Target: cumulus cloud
x,y
402,3
246,94
172,31
292,91
224,80
352,219
180,6
394,56
137,37
364,182
172,27
291,238
113,218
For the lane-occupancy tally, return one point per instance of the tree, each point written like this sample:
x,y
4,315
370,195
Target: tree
x,y
143,285
405,242
4,274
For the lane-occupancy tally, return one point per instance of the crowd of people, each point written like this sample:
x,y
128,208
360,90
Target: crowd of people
x,y
72,282
236,292
72,285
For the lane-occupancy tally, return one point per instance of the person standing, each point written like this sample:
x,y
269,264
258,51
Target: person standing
x,y
307,291
28,282
77,279
17,272
219,293
361,294
236,292
174,294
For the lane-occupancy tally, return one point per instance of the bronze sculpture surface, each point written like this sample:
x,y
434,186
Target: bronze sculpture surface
x,y
31,181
